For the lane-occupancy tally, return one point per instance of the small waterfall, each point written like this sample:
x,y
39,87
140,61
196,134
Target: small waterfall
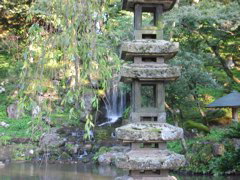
x,y
115,103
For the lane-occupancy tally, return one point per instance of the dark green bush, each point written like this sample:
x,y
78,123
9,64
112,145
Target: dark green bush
x,y
233,131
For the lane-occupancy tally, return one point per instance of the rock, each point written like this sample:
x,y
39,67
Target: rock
x,y
144,132
110,157
2,90
35,111
5,153
149,71
87,147
3,124
21,140
218,149
87,98
51,140
31,151
65,156
236,143
159,48
13,111
146,159
2,165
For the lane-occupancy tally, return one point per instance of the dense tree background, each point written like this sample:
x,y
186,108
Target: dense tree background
x,y
67,50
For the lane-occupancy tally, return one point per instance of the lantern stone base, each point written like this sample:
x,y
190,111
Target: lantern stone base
x,y
150,159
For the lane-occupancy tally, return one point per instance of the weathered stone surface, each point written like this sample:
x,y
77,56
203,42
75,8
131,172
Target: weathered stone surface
x,y
110,157
5,153
149,72
2,165
156,48
150,159
144,132
13,111
129,4
87,98
135,117
236,143
138,34
35,111
218,149
51,140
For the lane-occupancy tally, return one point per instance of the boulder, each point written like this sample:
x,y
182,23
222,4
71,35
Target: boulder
x,y
51,140
2,165
110,157
13,111
218,149
35,111
2,90
87,98
5,153
236,143
3,124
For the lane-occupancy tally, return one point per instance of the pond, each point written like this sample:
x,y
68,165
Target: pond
x,y
29,171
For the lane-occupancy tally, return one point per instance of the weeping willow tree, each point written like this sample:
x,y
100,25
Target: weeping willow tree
x,y
69,58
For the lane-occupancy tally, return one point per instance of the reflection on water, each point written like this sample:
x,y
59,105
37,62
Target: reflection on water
x,y
28,171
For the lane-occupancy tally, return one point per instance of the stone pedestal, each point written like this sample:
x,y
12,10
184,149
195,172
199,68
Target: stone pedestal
x,y
148,72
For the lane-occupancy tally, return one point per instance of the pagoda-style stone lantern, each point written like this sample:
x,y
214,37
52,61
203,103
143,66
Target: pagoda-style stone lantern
x,y
148,72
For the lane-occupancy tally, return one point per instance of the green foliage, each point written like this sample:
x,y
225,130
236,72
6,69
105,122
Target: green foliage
x,y
126,113
20,152
233,131
13,14
200,154
73,46
210,115
199,158
101,151
102,134
228,163
4,140
210,28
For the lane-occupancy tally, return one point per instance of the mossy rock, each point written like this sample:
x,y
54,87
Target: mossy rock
x,y
65,156
102,134
196,125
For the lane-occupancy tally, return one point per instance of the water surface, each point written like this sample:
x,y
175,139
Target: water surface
x,y
29,171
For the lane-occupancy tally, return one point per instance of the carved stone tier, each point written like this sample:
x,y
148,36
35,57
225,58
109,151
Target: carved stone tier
x,y
150,159
129,4
149,72
149,132
149,48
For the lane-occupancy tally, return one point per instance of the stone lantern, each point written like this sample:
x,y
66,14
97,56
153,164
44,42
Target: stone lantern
x,y
148,72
